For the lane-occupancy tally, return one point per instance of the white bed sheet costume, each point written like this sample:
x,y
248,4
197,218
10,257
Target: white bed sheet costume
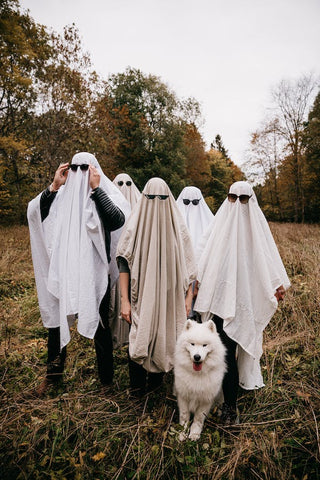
x,y
120,328
239,271
158,249
130,192
197,217
69,255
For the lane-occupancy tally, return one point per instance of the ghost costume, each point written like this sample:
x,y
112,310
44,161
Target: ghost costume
x,y
197,217
73,250
239,271
157,248
127,187
120,328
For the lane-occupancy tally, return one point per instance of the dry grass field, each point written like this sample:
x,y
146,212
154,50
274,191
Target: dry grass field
x,y
79,432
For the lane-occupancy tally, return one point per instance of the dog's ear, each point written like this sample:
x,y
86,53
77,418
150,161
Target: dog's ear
x,y
211,325
188,324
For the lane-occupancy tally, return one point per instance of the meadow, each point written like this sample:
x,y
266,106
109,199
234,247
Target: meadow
x,y
78,431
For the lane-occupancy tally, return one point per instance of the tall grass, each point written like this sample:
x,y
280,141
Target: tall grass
x,y
78,431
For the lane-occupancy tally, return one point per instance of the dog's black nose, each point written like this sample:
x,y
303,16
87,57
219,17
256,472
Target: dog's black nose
x,y
197,357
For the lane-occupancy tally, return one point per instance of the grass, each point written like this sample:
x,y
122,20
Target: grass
x,y
77,431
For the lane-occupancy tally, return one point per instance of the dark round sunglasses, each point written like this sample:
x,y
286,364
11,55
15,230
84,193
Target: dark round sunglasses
x,y
121,182
152,197
74,167
186,201
232,197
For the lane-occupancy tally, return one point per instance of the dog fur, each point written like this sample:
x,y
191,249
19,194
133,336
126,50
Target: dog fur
x,y
199,368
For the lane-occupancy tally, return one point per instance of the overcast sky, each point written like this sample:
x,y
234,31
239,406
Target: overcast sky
x,y
228,54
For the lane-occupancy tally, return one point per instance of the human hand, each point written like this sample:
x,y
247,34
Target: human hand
x,y
126,311
94,177
280,293
60,176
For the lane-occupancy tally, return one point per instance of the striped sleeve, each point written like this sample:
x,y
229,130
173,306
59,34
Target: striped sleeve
x,y
46,200
111,215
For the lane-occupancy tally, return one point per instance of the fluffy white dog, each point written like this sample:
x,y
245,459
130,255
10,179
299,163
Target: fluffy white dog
x,y
198,373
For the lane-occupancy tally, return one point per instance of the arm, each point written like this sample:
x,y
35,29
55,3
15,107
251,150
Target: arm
x,y
46,200
49,194
111,216
188,299
124,279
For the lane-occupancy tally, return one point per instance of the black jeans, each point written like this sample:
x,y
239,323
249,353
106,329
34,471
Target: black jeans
x,y
142,381
102,343
231,378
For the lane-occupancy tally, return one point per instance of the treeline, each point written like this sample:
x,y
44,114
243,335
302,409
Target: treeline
x,y
284,154
53,104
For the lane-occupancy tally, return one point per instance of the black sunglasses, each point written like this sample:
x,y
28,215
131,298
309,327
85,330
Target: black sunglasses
x,y
232,197
121,182
152,197
186,201
74,167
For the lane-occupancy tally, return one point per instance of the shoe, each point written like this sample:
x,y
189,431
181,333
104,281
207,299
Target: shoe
x,y
229,415
154,382
42,389
106,388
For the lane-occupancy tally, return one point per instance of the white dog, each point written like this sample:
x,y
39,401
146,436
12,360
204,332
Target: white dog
x,y
198,373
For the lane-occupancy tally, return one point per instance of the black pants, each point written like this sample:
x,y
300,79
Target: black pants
x,y
231,378
142,381
102,343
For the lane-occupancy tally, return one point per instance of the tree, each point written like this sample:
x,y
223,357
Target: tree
x,y
277,154
223,173
65,96
151,134
266,153
292,100
24,51
217,144
197,164
312,159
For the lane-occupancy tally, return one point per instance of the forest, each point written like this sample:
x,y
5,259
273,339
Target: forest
x,y
54,104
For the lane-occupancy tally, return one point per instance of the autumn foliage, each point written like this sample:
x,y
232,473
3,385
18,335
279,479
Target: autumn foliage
x,y
53,104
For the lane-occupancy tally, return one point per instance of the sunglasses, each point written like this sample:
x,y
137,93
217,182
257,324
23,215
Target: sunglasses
x,y
74,167
232,197
121,182
152,197
186,201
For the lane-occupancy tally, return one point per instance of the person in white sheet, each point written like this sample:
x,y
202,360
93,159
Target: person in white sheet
x,y
74,228
157,268
128,188
198,217
119,328
241,279
196,213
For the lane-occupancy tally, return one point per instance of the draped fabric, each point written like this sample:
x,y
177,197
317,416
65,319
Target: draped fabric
x,y
130,192
239,271
119,327
69,253
158,249
197,217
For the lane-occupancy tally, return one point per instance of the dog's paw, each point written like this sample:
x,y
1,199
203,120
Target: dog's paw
x,y
183,436
194,436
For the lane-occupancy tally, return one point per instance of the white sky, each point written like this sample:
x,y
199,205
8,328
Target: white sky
x,y
228,54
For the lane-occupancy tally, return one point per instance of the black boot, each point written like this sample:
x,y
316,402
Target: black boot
x,y
229,415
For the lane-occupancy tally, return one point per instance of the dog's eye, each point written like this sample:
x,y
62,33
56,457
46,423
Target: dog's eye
x,y
205,345
192,344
